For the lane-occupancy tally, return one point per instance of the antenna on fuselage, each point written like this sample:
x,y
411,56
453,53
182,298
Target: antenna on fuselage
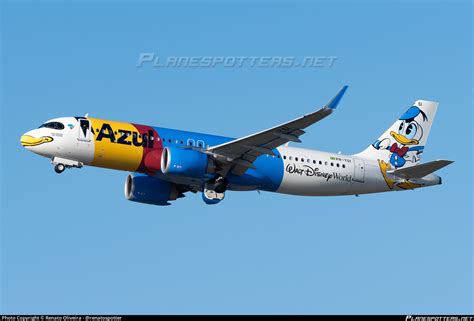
x,y
86,115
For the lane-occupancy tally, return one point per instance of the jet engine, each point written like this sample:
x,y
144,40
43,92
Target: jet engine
x,y
185,162
146,189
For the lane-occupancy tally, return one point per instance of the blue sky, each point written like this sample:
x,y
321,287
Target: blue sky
x,y
71,243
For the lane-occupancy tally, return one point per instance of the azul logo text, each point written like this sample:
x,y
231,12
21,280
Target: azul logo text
x,y
125,137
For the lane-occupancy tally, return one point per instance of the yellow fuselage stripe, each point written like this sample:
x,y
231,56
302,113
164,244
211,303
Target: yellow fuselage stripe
x,y
113,145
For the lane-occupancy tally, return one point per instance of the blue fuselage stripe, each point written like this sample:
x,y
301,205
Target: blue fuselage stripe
x,y
267,176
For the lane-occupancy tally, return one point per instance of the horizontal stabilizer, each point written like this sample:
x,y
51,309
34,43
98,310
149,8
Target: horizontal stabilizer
x,y
419,171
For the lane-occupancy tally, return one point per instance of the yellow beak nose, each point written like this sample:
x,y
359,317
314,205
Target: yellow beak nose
x,y
27,140
403,140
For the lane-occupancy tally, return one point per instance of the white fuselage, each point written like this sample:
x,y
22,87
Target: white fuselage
x,y
315,173
310,172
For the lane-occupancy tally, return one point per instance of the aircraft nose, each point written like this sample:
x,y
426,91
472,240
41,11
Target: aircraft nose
x,y
24,139
31,139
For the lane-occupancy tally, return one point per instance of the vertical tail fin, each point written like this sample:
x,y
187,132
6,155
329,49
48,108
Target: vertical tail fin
x,y
403,143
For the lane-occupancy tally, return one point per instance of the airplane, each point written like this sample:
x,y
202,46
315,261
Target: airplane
x,y
166,163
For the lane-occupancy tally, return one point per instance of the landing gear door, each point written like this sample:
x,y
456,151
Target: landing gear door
x,y
84,130
359,170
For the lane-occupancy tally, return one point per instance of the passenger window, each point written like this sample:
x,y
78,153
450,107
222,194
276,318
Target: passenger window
x,y
337,164
200,143
320,163
284,156
190,142
343,166
296,158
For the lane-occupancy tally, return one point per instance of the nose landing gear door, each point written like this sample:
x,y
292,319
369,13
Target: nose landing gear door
x,y
84,130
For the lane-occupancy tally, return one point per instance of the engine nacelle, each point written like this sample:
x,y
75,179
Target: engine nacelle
x,y
146,189
185,162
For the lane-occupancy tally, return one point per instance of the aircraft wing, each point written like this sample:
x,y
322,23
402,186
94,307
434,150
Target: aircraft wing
x,y
238,155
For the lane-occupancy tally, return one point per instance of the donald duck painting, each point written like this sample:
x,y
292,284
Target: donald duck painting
x,y
404,147
403,144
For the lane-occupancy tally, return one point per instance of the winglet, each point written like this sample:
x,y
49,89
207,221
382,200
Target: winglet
x,y
335,101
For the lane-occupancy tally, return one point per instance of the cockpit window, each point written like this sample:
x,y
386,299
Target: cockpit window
x,y
53,125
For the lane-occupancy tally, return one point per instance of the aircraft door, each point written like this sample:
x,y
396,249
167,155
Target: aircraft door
x,y
359,170
84,130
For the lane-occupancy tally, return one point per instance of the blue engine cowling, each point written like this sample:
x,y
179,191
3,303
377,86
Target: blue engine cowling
x,y
185,162
146,189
